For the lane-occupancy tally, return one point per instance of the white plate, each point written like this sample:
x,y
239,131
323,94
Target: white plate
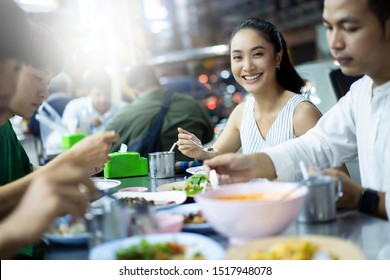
x,y
187,209
209,248
104,184
68,239
74,239
196,170
341,248
161,199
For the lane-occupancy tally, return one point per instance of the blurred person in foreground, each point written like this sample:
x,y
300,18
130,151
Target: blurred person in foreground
x,y
17,228
90,114
274,110
31,90
134,119
358,34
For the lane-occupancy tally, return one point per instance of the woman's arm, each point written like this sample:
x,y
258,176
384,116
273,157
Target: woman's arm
x,y
306,116
228,141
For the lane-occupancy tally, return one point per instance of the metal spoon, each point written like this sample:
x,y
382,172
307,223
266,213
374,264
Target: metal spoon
x,y
206,150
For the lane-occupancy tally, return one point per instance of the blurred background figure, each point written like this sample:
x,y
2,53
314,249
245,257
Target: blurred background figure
x,y
47,141
91,113
134,119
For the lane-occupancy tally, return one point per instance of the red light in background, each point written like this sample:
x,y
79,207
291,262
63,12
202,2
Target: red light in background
x,y
203,78
237,98
213,78
211,105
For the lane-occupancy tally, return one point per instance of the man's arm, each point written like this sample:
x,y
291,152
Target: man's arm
x,y
353,193
235,168
10,194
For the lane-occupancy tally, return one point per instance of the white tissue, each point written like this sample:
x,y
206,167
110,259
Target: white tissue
x,y
123,148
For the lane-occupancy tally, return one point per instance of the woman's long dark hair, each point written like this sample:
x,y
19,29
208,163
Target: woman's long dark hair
x,y
286,76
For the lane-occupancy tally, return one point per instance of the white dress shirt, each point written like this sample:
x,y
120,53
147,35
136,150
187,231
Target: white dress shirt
x,y
357,126
80,110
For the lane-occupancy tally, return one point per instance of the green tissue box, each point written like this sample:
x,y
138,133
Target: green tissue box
x,y
70,139
127,164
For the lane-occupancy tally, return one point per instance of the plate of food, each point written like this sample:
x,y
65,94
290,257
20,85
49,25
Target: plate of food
x,y
104,184
165,246
303,247
195,170
160,200
194,185
66,231
194,221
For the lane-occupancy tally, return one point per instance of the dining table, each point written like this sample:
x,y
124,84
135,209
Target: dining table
x,y
370,234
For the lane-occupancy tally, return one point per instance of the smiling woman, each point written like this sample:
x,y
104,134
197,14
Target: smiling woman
x,y
274,111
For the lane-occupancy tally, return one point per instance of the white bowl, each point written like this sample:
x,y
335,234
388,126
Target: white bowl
x,y
242,220
170,222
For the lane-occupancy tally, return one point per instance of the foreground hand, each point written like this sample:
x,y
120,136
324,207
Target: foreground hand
x,y
49,195
232,168
92,151
186,147
95,170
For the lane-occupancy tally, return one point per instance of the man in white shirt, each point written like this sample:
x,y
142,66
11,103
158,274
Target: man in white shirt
x,y
91,113
358,34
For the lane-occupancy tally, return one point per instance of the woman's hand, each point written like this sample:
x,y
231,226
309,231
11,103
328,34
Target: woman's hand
x,y
186,147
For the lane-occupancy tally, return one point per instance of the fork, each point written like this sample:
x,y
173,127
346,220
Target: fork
x,y
206,150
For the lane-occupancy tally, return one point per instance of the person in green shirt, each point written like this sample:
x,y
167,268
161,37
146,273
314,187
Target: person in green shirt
x,y
54,194
31,91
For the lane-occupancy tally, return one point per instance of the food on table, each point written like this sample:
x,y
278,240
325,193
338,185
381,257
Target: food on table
x,y
133,200
195,184
69,229
194,218
156,251
293,250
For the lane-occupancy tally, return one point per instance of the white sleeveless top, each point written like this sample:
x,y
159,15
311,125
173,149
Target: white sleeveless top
x,y
281,130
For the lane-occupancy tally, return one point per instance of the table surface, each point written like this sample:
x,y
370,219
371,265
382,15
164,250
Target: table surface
x,y
368,233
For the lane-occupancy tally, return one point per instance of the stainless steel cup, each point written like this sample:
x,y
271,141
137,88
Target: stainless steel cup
x,y
162,164
108,221
320,202
155,183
